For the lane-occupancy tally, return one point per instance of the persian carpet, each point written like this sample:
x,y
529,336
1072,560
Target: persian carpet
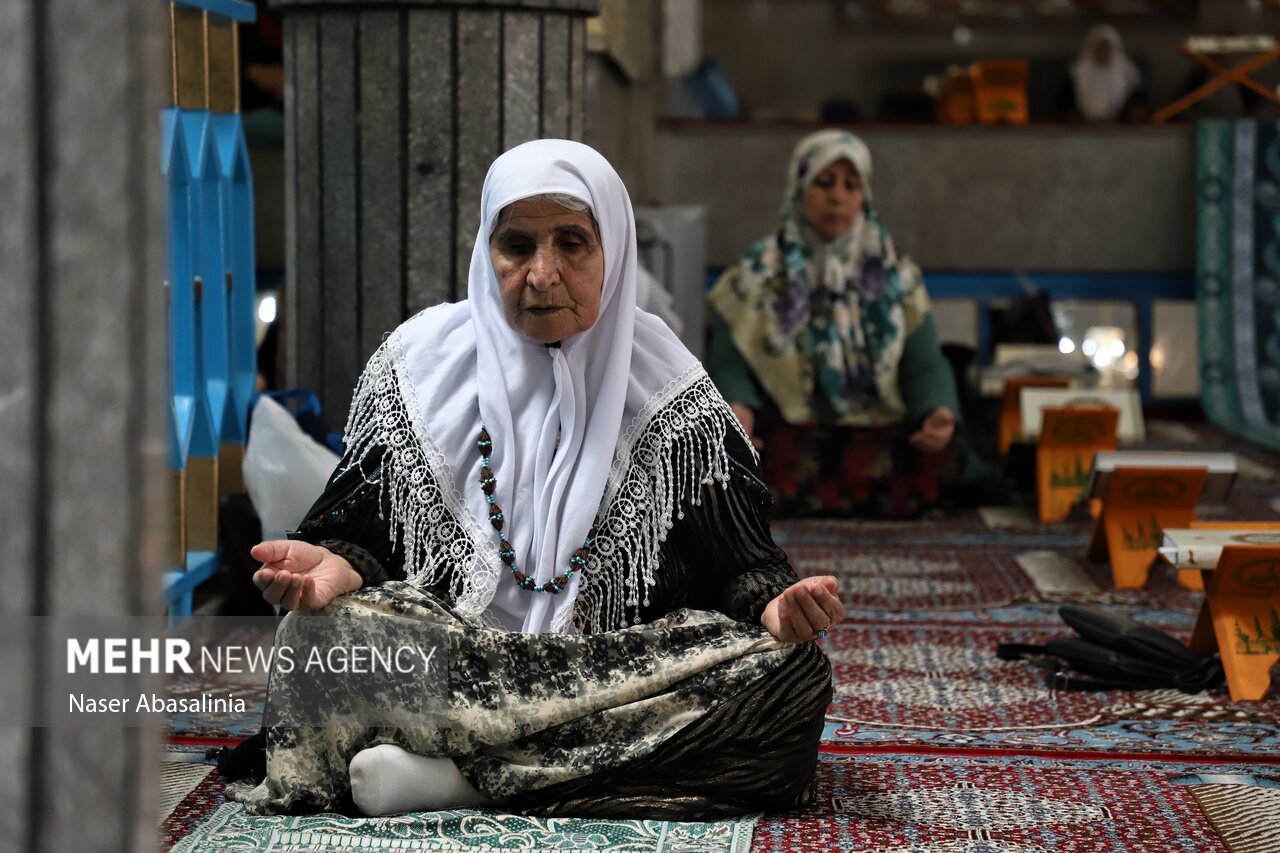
x,y
931,742
197,818
1009,805
1238,275
216,728
194,807
927,576
230,829
178,779
1246,815
912,687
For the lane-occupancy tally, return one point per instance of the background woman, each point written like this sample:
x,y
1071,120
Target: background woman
x,y
826,349
1105,82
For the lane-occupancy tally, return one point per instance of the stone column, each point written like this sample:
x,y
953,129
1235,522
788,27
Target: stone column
x,y
81,397
395,109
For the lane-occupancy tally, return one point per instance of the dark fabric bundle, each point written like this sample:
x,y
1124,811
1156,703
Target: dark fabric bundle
x,y
1115,652
245,760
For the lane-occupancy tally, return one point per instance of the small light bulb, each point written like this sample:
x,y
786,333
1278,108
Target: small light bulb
x,y
267,309
1066,346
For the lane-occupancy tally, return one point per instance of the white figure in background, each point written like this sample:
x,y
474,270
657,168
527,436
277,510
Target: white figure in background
x,y
653,297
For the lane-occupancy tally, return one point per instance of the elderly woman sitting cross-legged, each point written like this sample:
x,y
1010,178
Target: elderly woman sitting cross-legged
x,y
544,487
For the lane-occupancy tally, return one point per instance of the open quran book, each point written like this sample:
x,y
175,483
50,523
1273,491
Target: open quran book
x,y
1217,488
1200,549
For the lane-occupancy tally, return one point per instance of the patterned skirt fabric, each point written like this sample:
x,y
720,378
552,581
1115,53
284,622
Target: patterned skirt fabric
x,y
870,472
624,722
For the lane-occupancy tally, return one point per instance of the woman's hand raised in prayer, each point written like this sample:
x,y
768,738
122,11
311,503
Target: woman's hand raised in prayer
x,y
747,418
300,576
805,610
936,432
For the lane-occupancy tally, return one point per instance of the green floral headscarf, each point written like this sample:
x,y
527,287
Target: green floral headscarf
x,y
822,323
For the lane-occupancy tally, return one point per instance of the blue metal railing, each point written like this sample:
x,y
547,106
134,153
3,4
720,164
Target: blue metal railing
x,y
211,293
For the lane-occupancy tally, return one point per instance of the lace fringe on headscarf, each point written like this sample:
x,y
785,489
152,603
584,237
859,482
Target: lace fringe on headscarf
x,y
442,541
673,448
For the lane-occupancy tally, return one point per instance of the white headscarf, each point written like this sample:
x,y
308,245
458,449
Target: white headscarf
x,y
600,392
1103,90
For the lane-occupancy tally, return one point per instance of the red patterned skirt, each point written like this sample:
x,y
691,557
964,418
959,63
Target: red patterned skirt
x,y
853,472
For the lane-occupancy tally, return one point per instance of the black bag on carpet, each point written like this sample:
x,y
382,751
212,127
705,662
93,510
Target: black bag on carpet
x,y
1115,652
245,760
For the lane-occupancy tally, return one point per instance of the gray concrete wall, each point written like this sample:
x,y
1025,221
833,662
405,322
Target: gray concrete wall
x,y
394,111
81,393
966,198
623,89
1040,198
784,57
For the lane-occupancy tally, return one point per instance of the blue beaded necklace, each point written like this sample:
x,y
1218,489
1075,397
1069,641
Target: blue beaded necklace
x,y
488,483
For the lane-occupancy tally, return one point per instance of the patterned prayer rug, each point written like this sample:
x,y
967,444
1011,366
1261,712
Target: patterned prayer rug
x,y
1252,500
195,806
884,579
960,528
1117,730
1246,814
914,578
1254,463
221,727
178,779
988,805
1238,275
229,829
1030,614
196,818
938,686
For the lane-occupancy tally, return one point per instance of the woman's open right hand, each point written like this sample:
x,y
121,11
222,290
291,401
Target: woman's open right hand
x,y
300,576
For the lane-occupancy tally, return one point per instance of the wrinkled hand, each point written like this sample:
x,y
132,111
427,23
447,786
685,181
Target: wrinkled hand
x,y
936,432
804,609
747,418
300,576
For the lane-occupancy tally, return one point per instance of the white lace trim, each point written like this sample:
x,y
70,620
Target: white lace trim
x,y
442,540
671,449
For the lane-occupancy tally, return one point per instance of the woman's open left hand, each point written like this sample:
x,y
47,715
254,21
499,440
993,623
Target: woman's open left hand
x,y
803,610
936,432
300,576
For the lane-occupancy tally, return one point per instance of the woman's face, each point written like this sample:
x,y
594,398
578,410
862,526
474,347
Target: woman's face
x,y
833,200
550,267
